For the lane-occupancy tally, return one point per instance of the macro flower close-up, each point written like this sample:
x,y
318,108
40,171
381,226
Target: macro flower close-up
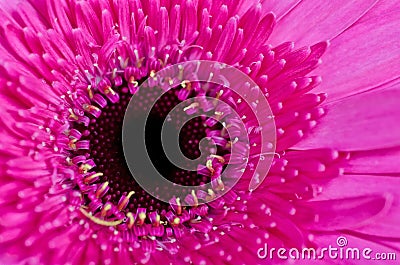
x,y
287,112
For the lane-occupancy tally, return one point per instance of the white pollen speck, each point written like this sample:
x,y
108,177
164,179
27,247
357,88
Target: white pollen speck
x,y
187,259
221,253
258,241
28,242
316,218
239,249
116,249
273,224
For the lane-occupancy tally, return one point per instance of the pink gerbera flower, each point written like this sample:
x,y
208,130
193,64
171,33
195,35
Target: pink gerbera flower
x,y
69,69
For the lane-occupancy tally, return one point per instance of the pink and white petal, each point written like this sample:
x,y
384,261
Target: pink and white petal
x,y
360,122
365,56
338,214
312,21
377,162
278,7
369,185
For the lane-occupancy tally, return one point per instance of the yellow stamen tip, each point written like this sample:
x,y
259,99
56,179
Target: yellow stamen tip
x,y
176,221
99,221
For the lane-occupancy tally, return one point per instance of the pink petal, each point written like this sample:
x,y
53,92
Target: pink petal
x,y
278,7
368,185
374,162
365,56
336,214
361,122
313,21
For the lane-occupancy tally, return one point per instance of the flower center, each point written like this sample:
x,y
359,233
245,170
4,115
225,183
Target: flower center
x,y
106,148
110,195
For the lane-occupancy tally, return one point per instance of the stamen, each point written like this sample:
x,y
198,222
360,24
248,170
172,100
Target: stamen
x,y
90,92
218,115
84,168
133,81
191,106
221,185
101,191
179,208
109,90
92,178
100,221
142,218
176,221
181,69
218,96
124,202
131,220
88,107
186,84
211,195
105,209
156,222
220,158
196,200
210,167
230,143
73,115
72,144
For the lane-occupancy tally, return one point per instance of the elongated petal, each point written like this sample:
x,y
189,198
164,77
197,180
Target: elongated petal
x,y
311,21
361,122
364,57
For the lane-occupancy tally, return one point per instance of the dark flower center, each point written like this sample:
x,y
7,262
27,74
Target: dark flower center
x,y
105,136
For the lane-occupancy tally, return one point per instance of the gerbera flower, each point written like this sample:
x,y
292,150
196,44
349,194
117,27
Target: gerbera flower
x,y
70,68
